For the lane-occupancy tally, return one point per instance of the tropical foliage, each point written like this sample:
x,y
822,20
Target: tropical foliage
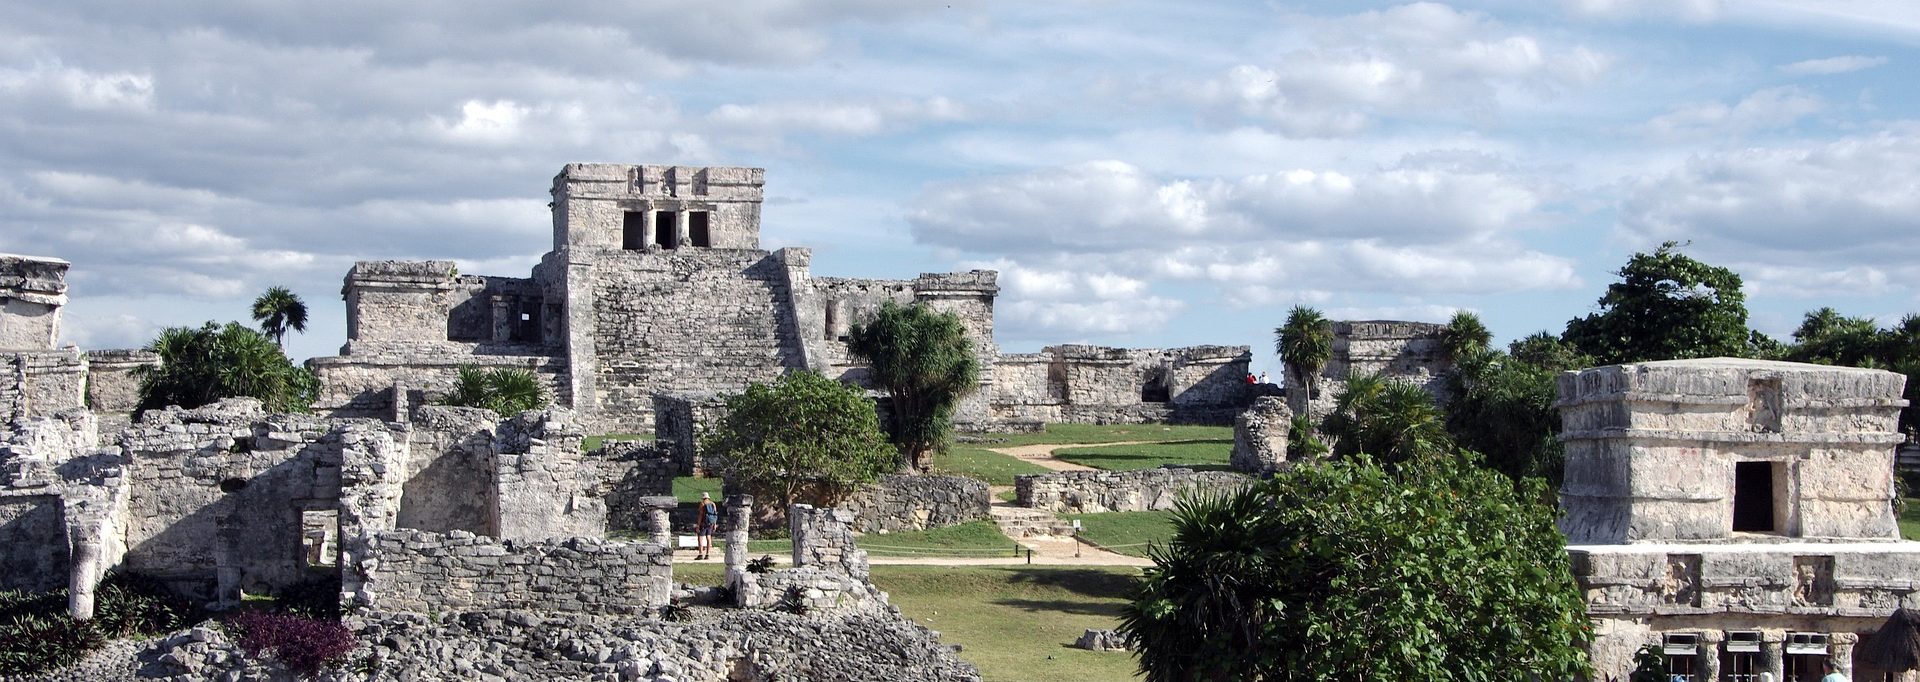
x,y
1305,344
1349,571
278,310
1464,335
505,390
203,365
924,361
1666,306
1394,421
1829,338
804,438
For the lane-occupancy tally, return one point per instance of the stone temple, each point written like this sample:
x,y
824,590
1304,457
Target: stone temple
x,y
656,288
1736,515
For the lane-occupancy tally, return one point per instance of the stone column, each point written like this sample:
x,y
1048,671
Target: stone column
x,y
1840,651
1710,654
746,592
82,579
1773,653
503,320
659,519
646,222
226,568
739,522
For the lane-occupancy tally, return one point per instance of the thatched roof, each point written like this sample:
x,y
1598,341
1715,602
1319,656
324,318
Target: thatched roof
x,y
1896,647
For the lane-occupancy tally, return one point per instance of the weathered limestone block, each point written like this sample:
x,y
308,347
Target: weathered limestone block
x,y
1260,436
1087,492
32,291
419,572
824,538
450,470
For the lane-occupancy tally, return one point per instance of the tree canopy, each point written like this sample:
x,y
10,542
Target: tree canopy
x,y
1392,420
1348,571
505,390
201,366
1465,334
1829,338
278,310
924,361
804,438
1666,306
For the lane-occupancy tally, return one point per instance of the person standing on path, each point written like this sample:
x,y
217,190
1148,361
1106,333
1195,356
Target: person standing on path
x,y
703,523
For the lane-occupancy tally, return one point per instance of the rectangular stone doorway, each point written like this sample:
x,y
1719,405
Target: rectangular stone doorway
x,y
1753,497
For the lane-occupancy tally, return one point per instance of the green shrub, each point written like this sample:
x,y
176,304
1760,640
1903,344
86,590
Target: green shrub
x,y
36,634
504,390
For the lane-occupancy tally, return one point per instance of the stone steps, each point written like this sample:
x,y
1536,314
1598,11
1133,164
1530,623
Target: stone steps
x,y
1023,522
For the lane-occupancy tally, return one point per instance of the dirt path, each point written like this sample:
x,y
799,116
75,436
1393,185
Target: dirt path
x,y
1042,454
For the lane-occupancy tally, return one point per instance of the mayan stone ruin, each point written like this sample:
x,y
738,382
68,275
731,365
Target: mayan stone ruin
x,y
1734,514
657,289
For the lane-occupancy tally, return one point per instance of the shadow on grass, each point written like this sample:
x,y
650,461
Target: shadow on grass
x,y
1084,582
1078,608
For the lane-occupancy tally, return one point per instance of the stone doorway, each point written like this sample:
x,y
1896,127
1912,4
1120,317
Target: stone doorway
x,y
1753,497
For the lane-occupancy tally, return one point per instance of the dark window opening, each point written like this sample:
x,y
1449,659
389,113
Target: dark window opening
x,y
1753,497
1155,389
633,231
665,232
233,485
697,229
1805,667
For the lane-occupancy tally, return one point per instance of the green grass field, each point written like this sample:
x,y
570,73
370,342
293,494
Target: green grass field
x,y
1016,623
1114,433
1198,454
984,464
1910,520
688,489
1122,532
967,540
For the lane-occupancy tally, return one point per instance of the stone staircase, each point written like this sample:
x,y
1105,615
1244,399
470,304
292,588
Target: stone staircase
x,y
1023,522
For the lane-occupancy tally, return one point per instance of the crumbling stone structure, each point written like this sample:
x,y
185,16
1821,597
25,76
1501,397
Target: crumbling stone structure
x,y
1260,436
1734,514
656,285
36,379
1089,492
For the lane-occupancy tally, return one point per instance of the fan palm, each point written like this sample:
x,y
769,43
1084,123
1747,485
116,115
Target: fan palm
x,y
279,310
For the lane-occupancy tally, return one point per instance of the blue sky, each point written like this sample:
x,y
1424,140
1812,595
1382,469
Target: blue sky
x,y
1141,173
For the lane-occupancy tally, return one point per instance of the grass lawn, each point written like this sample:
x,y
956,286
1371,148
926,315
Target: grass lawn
x,y
1199,454
984,464
1116,530
1014,622
591,443
1113,433
972,539
688,488
1910,520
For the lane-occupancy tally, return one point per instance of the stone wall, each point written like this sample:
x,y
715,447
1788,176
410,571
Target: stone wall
x,y
33,539
1100,385
41,383
631,472
824,538
364,385
218,493
420,572
113,384
450,468
1410,351
1260,436
901,502
1087,492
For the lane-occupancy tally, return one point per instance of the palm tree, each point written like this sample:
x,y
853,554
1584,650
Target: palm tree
x,y
1392,420
505,390
1304,343
279,310
1465,335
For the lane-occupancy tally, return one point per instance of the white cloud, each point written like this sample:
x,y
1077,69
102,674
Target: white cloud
x,y
1686,10
494,121
1763,110
834,118
1832,65
1410,59
1849,203
80,88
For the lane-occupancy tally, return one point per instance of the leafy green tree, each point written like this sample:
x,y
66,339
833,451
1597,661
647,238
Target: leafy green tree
x,y
278,310
924,361
1829,338
1347,571
1305,344
1303,440
804,438
1394,421
1666,306
1465,334
204,365
1546,351
1503,407
505,390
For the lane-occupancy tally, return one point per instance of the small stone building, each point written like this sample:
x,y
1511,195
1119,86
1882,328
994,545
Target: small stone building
x,y
1736,515
36,379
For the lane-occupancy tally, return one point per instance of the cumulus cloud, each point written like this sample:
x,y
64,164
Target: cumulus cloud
x,y
1406,59
1832,65
1686,10
834,118
1808,218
